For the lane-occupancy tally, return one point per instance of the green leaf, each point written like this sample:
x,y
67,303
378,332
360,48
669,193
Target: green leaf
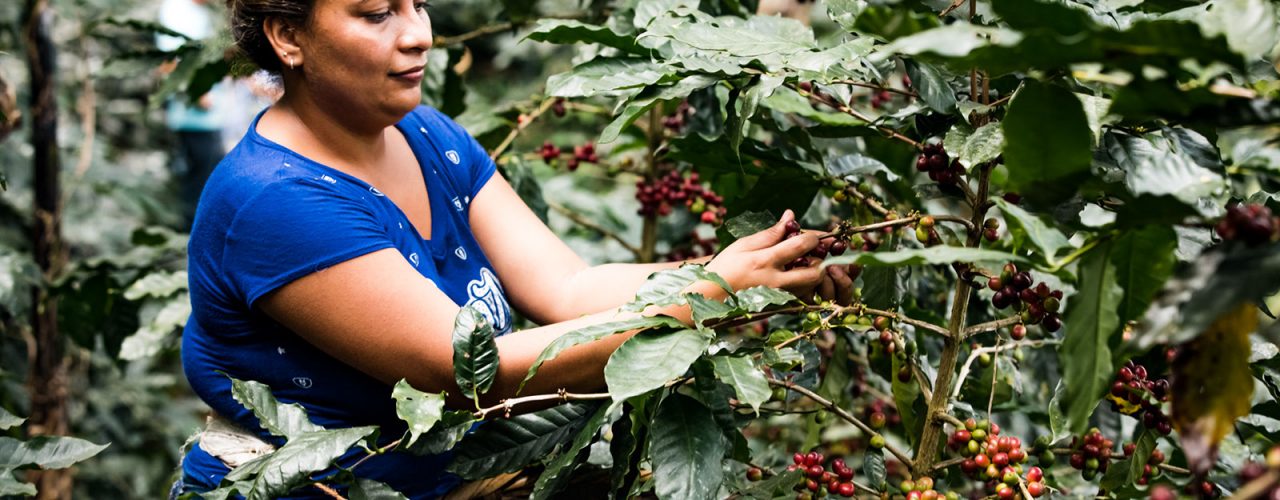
x,y
704,309
761,88
920,256
650,97
874,468
1218,283
11,486
368,489
1250,26
909,401
1057,419
665,288
931,83
568,32
649,360
9,420
475,353
1117,474
605,76
983,145
686,450
159,284
856,166
1144,260
273,475
1045,157
759,298
419,409
1029,228
889,23
508,445
558,471
1091,321
46,452
284,420
749,223
452,427
741,373
1145,443
1162,165
596,332
883,287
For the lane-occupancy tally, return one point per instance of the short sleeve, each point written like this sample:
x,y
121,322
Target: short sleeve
x,y
295,227
480,168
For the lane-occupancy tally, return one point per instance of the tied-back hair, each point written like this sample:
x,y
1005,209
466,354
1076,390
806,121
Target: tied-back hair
x,y
247,18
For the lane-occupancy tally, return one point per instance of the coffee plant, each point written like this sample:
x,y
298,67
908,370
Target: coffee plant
x,y
1059,215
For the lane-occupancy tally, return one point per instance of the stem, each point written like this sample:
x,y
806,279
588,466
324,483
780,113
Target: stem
x,y
1255,488
867,85
902,457
332,493
587,223
827,100
447,41
649,236
931,438
914,322
507,404
1080,252
870,202
991,326
515,132
976,353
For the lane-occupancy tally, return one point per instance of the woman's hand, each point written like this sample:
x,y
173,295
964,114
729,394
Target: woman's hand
x,y
761,260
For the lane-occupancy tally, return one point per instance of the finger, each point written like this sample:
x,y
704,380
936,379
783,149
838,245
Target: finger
x,y
806,278
794,248
827,289
844,284
770,236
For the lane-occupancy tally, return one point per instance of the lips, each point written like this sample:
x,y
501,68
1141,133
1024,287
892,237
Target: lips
x,y
411,73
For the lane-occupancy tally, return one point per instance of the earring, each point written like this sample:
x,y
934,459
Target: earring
x,y
290,56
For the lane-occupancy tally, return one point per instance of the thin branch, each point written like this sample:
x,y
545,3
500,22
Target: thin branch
x,y
903,319
991,326
1255,488
870,202
867,85
922,381
829,101
587,223
948,463
515,132
448,41
507,404
976,353
949,418
902,457
1073,256
954,5
332,493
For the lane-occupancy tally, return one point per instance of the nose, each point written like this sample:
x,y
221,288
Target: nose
x,y
416,34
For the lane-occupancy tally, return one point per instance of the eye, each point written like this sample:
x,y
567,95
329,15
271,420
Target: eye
x,y
421,6
378,17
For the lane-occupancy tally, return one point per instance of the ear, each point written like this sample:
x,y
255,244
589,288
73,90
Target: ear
x,y
284,41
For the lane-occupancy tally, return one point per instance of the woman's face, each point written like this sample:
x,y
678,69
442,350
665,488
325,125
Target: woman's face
x,y
367,57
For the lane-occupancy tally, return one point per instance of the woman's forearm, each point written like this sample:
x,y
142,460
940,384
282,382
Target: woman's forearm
x,y
607,286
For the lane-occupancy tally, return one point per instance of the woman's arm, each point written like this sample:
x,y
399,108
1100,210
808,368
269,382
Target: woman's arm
x,y
378,314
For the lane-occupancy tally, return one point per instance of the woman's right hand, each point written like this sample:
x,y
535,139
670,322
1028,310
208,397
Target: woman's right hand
x,y
761,260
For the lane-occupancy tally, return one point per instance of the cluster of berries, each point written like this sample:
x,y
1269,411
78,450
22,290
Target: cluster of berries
x,y
676,121
995,459
1251,224
1092,454
1202,489
672,189
697,247
880,98
825,246
991,229
941,168
818,480
1151,469
1254,470
922,489
925,232
1038,304
581,153
1129,395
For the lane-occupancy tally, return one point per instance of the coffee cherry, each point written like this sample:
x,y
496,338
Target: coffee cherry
x,y
1018,332
846,490
1036,489
755,474
1051,323
878,419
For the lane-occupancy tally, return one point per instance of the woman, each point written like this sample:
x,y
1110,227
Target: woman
x,y
335,244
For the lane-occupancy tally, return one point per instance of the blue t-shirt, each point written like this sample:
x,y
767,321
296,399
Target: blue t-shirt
x,y
269,216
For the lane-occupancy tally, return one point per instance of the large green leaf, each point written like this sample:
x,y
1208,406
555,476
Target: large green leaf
x,y
275,474
451,428
1168,164
919,256
1144,260
1250,26
558,471
1091,321
568,31
650,97
509,445
909,401
596,332
1046,156
873,467
889,22
46,452
761,88
665,288
931,83
687,450
419,409
1028,228
602,76
884,287
475,353
649,360
284,420
10,485
368,489
741,373
758,298
973,147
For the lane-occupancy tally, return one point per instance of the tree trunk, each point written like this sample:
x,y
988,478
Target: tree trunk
x,y
47,379
795,9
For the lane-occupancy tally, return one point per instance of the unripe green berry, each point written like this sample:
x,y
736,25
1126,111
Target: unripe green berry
x,y
877,441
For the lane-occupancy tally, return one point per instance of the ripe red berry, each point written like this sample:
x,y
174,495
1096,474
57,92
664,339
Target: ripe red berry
x,y
1036,489
755,474
878,419
1018,332
846,489
814,471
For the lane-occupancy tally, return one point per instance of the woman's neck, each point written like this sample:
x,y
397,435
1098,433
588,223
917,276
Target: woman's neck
x,y
339,140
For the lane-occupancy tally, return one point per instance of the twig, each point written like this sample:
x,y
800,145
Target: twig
x,y
870,202
992,326
587,223
902,457
515,132
950,419
507,404
995,377
1080,252
867,85
447,41
922,381
903,319
948,463
1255,488
968,363
954,5
829,101
328,491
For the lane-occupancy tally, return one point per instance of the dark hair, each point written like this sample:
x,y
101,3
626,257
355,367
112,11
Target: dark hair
x,y
248,31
